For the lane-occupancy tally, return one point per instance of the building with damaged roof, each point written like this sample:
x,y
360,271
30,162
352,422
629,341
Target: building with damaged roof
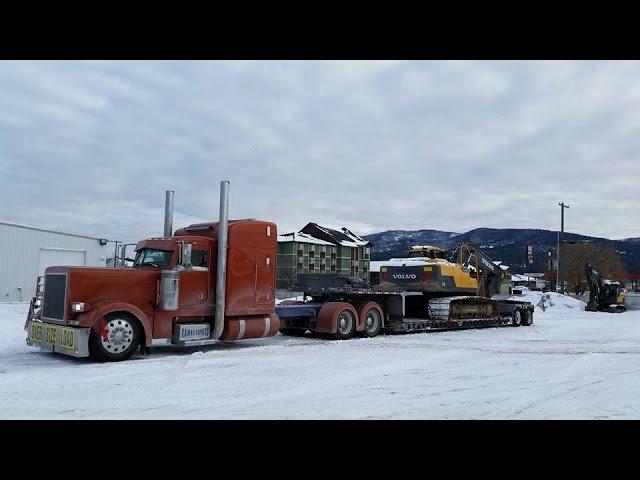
x,y
318,249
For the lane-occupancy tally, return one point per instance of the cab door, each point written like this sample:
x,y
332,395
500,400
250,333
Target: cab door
x,y
195,284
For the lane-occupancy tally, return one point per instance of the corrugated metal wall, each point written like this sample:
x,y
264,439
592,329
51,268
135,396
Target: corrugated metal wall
x,y
20,257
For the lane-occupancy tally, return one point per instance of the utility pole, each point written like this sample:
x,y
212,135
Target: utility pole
x,y
559,280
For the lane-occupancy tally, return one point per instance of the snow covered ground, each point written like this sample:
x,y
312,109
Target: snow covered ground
x,y
569,364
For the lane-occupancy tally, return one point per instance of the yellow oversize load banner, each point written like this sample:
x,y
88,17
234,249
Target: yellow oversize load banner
x,y
52,335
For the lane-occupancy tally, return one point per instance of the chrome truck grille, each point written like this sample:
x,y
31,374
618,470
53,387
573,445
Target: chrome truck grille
x,y
55,291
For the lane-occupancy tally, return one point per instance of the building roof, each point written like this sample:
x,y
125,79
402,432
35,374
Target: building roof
x,y
346,237
40,229
301,238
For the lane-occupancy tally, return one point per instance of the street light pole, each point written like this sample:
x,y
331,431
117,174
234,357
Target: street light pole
x,y
559,280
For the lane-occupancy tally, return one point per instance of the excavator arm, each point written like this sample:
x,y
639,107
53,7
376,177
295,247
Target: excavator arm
x,y
470,256
594,282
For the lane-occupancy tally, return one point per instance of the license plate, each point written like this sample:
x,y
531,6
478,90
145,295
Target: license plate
x,y
193,331
67,338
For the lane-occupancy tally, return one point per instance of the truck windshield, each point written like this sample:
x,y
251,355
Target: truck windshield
x,y
151,256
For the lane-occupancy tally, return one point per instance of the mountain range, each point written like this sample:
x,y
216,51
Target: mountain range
x,y
506,244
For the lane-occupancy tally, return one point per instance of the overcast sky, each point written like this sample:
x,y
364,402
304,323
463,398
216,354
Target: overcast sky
x,y
91,147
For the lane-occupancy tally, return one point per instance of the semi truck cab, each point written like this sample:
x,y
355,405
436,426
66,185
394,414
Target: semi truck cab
x,y
174,294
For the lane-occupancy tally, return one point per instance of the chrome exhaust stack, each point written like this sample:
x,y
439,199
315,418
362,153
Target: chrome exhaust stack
x,y
168,214
221,265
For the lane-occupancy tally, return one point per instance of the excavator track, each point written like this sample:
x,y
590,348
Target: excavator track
x,y
449,313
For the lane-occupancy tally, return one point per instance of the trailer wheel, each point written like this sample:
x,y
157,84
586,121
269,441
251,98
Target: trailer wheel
x,y
516,318
345,324
337,319
527,318
370,314
119,339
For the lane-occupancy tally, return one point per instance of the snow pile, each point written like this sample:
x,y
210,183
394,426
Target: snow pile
x,y
543,301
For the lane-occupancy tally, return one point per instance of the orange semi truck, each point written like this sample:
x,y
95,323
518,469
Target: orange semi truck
x,y
205,283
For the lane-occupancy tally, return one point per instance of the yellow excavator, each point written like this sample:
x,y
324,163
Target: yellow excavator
x,y
454,285
467,270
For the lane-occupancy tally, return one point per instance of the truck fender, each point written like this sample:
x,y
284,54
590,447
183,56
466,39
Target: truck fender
x,y
326,321
95,317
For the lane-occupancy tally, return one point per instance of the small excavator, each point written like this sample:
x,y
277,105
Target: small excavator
x,y
604,295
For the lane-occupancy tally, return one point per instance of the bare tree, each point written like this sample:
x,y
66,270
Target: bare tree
x,y
604,258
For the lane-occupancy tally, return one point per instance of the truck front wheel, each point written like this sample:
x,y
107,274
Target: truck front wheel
x,y
118,340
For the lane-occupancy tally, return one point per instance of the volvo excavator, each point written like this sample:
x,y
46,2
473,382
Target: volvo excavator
x,y
465,270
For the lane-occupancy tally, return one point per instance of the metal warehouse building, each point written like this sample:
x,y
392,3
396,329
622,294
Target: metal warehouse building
x,y
27,251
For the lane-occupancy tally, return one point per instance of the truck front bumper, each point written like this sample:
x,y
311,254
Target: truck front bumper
x,y
58,338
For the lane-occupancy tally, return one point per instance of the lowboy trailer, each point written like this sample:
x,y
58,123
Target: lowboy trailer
x,y
345,311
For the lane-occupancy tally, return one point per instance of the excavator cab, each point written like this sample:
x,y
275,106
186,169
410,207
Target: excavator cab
x,y
426,251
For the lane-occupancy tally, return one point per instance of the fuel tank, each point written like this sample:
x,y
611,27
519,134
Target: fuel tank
x,y
254,326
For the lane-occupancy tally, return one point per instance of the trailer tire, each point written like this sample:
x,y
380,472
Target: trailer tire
x,y
527,318
293,332
345,323
340,315
516,318
121,337
370,314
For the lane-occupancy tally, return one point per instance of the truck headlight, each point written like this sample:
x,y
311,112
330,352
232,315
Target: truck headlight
x,y
77,307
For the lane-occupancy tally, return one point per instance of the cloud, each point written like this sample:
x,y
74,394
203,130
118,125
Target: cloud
x,y
90,147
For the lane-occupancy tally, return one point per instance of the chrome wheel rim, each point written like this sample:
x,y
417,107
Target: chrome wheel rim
x,y
372,320
516,318
345,322
117,335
